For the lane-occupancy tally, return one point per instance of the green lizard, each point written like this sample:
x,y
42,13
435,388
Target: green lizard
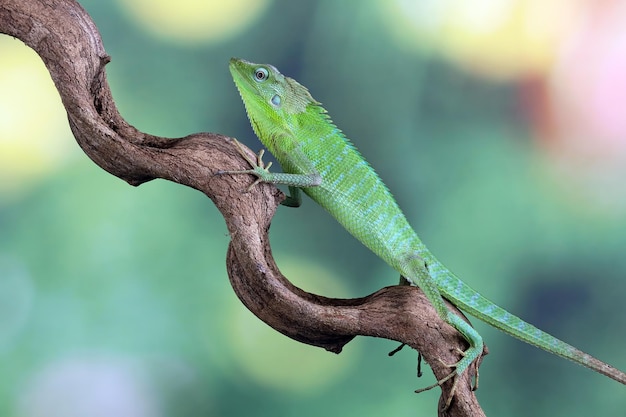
x,y
318,159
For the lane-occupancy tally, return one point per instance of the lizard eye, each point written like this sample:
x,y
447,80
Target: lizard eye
x,y
260,74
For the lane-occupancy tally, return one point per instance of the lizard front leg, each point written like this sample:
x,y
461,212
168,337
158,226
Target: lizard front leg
x,y
262,173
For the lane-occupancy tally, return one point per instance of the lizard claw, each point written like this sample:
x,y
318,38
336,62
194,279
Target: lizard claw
x,y
436,384
451,375
440,383
259,157
259,169
476,375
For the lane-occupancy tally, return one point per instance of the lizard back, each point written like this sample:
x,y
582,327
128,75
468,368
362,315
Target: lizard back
x,y
351,190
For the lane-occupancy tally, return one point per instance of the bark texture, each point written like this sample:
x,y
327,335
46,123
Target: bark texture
x,y
68,42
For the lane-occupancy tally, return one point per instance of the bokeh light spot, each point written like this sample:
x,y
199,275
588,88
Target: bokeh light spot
x,y
34,133
93,387
503,39
194,21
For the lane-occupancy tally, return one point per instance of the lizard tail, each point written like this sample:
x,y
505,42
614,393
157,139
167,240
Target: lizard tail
x,y
472,302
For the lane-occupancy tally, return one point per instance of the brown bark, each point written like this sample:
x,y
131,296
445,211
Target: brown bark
x,y
67,40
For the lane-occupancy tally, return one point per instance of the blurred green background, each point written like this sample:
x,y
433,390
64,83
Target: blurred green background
x,y
500,127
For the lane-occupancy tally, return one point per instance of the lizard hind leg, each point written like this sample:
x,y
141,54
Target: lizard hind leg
x,y
416,271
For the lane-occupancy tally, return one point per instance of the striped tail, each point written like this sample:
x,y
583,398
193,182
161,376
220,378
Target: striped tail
x,y
470,301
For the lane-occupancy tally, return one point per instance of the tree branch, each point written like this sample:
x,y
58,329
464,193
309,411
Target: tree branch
x,y
67,40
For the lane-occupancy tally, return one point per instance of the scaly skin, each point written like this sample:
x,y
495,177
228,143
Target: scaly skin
x,y
318,159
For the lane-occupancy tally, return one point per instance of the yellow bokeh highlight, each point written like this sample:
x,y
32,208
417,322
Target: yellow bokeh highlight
x,y
275,361
497,38
35,137
194,21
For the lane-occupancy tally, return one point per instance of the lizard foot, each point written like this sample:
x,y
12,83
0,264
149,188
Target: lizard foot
x,y
475,365
440,383
259,169
447,378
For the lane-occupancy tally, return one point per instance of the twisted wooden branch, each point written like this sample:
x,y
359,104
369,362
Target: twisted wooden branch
x,y
67,40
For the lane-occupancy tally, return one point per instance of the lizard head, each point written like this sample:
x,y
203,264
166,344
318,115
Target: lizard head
x,y
270,98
